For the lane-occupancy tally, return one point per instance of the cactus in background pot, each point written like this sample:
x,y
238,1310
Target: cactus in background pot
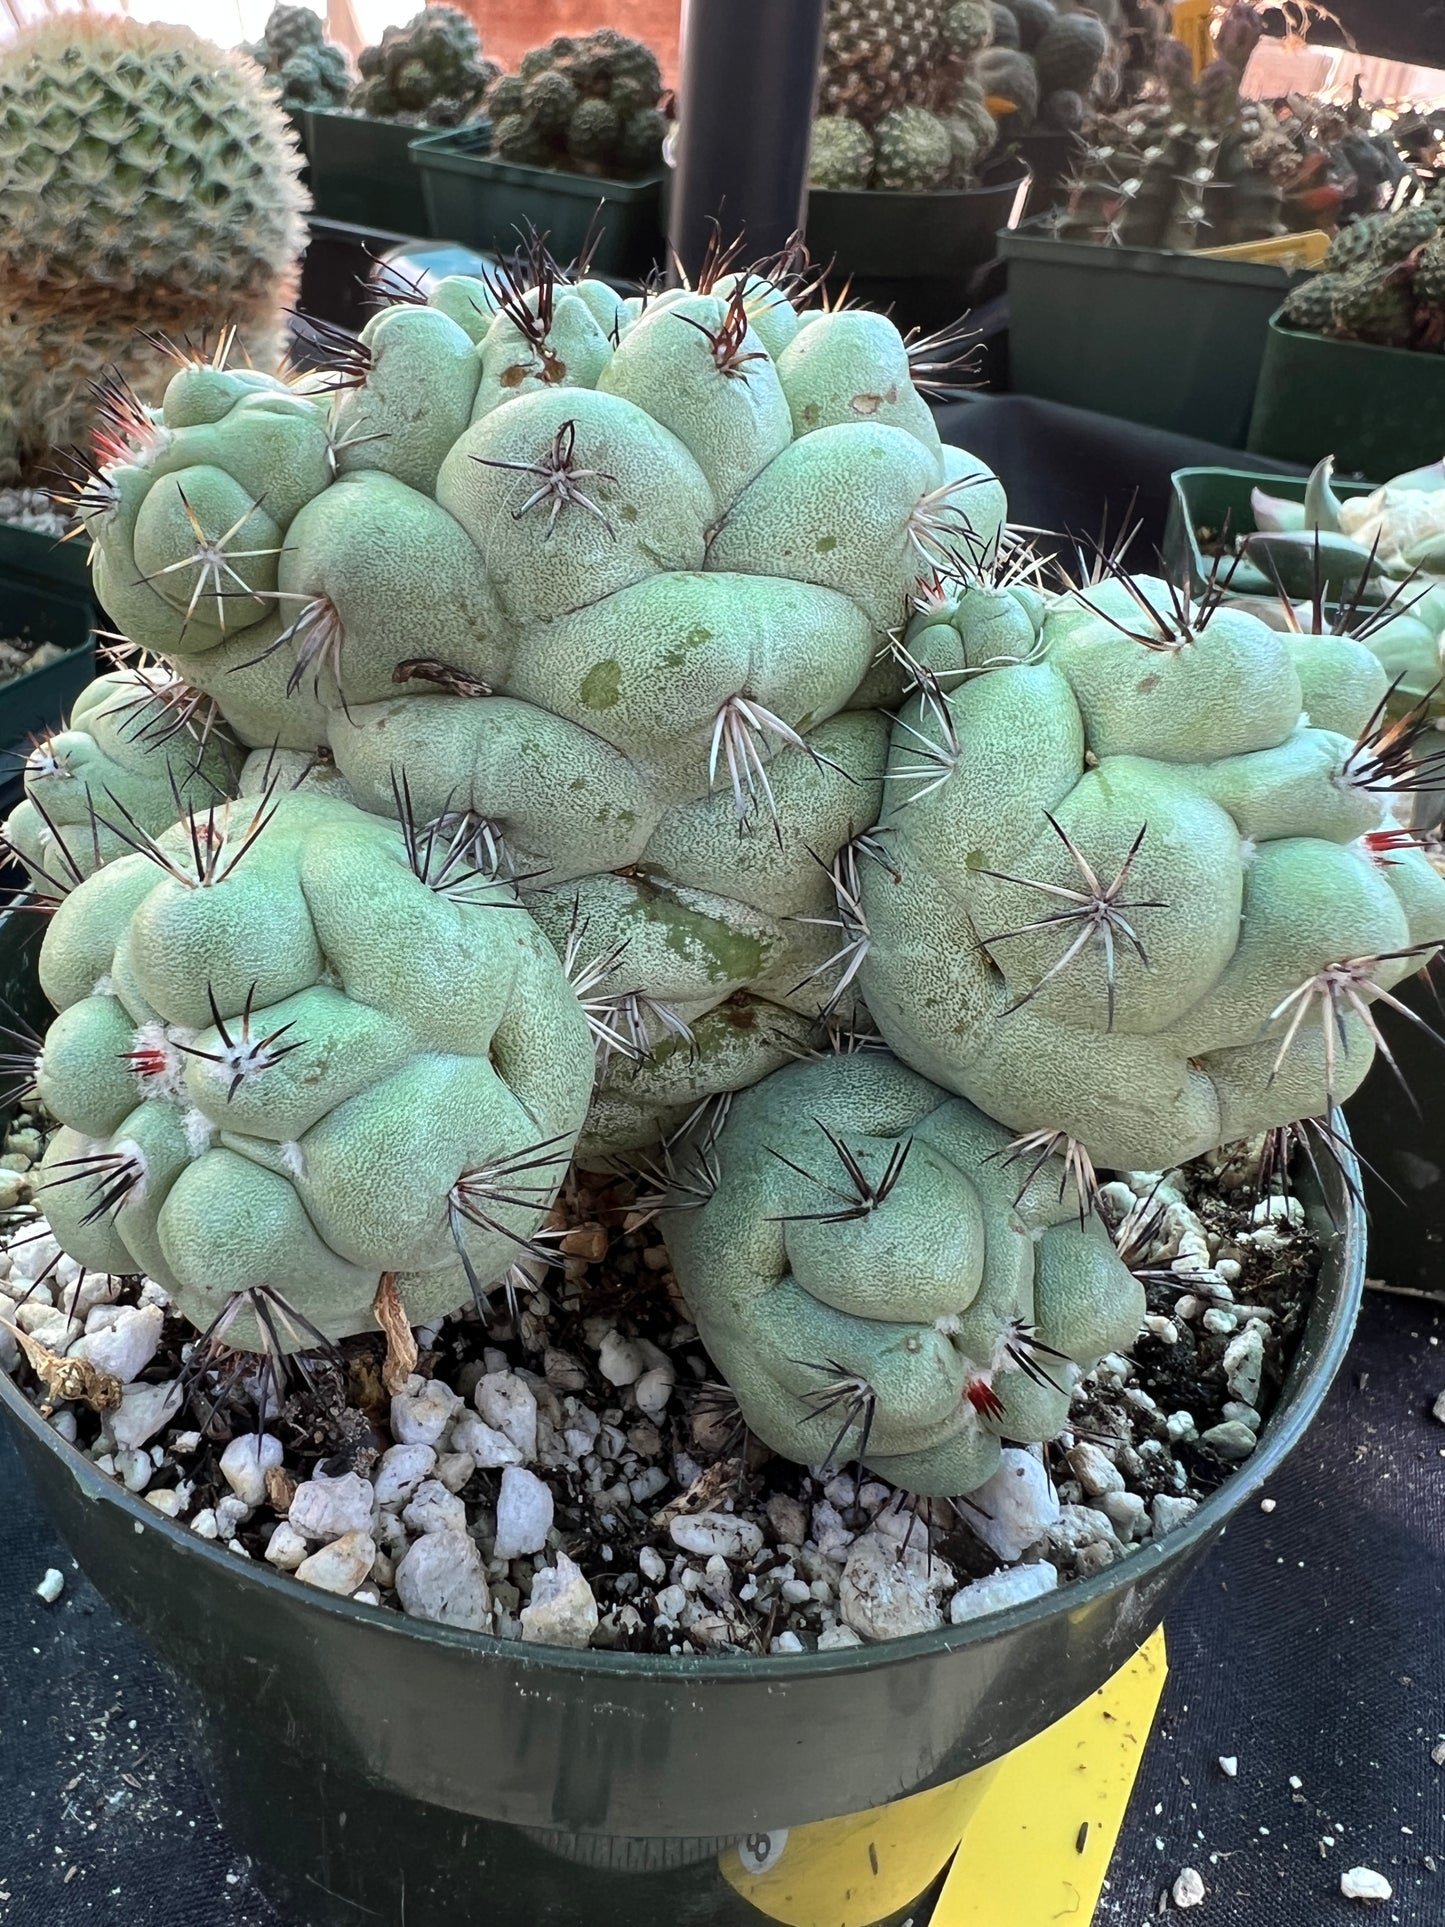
x,y
431,72
587,105
296,1055
149,184
306,70
1383,281
875,1283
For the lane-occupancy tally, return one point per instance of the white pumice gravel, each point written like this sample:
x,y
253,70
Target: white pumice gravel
x,y
246,1461
559,1473
1229,1765
51,1586
1363,1883
1188,1889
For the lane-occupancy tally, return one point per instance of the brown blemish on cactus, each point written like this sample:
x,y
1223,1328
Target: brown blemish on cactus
x,y
601,687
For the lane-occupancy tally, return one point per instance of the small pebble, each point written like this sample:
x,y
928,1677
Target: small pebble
x,y
1268,1505
509,1405
204,1524
341,1566
1181,1428
651,1565
1094,1470
653,1390
562,1611
285,1549
891,1589
325,1508
1188,1889
1229,1765
1438,1408
1009,1587
441,1579
786,1643
1218,1320
1437,1753
433,1509
524,1513
837,1639
1363,1883
143,1410
1244,1366
245,1463
129,1345
484,1445
1167,1514
709,1532
1230,1441
422,1417
620,1361
401,1470
1014,1508
51,1586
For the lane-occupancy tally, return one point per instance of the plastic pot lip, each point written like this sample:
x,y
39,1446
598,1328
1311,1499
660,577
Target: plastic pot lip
x,y
1032,240
1423,356
1019,169
1342,1278
444,147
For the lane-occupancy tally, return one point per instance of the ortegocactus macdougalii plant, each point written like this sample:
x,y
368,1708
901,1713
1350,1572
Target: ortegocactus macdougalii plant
x,y
875,1281
149,184
431,71
295,1054
613,581
140,749
1140,892
588,105
305,68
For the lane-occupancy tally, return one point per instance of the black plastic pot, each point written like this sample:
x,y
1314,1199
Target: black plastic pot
x,y
1174,340
376,1768
915,254
45,596
361,171
1378,411
491,204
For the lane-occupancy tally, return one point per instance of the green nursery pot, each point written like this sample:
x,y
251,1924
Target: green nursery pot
x,y
1172,340
383,1769
1378,411
361,171
45,596
1222,498
492,204
913,255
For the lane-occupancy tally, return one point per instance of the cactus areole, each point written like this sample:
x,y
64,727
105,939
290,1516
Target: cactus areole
x,y
599,712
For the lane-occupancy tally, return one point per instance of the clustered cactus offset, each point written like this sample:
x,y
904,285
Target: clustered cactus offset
x,y
306,69
642,703
588,105
1382,281
432,71
149,185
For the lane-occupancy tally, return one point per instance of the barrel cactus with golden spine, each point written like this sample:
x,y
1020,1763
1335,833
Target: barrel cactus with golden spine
x,y
149,183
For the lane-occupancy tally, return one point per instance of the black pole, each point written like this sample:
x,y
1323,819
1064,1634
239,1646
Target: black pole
x,y
745,106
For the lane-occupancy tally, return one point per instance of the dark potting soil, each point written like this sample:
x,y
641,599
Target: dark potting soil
x,y
688,1533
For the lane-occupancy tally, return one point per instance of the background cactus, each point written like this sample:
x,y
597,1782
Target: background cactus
x,y
587,104
1383,280
293,1054
878,1281
609,580
431,71
148,184
1163,926
898,105
306,69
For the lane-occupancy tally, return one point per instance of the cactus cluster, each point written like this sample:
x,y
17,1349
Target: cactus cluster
x,y
432,71
900,106
642,706
587,104
306,69
149,186
1046,66
1193,164
1382,281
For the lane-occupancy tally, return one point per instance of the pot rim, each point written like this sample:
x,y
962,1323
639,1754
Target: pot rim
x,y
1342,1271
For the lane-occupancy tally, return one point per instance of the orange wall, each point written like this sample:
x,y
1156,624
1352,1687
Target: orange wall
x,y
509,27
